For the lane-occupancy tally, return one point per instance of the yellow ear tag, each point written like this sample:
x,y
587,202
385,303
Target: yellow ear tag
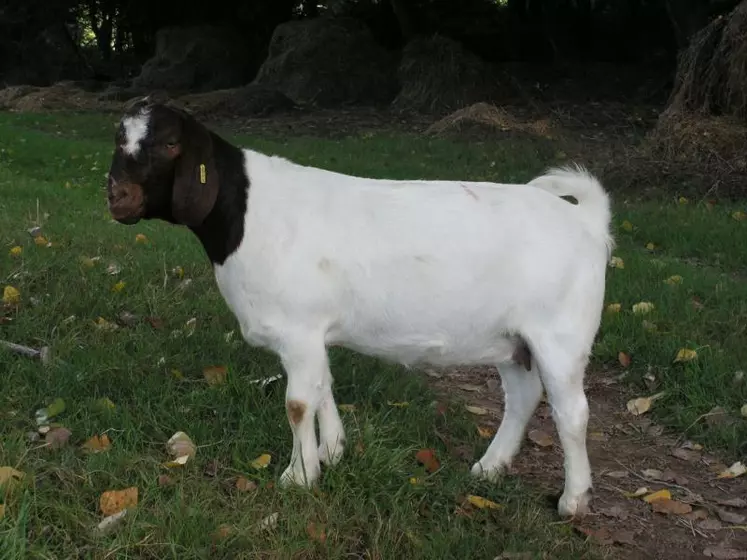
x,y
203,173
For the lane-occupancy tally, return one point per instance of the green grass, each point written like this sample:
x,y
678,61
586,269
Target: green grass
x,y
51,174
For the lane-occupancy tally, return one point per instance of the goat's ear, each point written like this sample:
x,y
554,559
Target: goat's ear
x,y
196,178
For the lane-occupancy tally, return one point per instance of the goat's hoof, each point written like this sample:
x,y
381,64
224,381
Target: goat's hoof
x,y
292,478
330,454
574,506
491,472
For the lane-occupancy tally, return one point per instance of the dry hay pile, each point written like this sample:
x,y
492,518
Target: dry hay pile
x,y
329,62
10,95
487,117
248,101
438,75
62,96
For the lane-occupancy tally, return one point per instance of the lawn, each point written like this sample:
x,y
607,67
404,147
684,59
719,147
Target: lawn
x,y
379,502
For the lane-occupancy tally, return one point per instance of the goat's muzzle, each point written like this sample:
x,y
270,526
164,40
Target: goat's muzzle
x,y
126,201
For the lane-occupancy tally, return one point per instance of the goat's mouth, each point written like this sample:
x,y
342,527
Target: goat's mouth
x,y
125,215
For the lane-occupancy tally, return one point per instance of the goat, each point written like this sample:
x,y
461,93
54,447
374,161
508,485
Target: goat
x,y
416,272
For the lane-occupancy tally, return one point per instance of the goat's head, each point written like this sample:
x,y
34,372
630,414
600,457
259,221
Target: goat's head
x,y
162,167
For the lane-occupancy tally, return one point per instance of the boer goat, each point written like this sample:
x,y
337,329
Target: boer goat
x,y
416,272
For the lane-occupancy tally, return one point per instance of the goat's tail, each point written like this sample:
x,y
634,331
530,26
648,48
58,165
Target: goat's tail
x,y
593,202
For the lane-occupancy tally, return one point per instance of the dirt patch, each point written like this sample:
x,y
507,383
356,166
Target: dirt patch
x,y
626,453
488,117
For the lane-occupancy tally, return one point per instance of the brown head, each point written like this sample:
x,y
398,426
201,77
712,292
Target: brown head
x,y
163,166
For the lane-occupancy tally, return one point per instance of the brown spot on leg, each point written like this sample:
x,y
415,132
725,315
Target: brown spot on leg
x,y
296,410
522,355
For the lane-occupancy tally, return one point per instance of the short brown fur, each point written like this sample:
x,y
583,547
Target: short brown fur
x,y
296,411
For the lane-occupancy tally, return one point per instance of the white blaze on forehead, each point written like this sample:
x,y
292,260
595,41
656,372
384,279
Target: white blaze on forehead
x,y
135,129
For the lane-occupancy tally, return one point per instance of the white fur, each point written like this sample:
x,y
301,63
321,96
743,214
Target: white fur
x,y
424,272
135,129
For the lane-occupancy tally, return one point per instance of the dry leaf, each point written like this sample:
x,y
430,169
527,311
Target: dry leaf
x,y
56,438
617,474
9,477
469,387
615,512
346,407
682,200
245,485
743,410
177,272
97,444
109,522
11,295
710,525
652,473
737,469
140,238
685,355
414,480
627,226
482,503
2,511
642,405
668,506
642,491
212,468
113,269
215,375
316,532
614,308
105,325
261,462
118,287
190,326
617,262
538,437
643,307
659,495
155,322
40,240
485,431
722,553
673,280
114,501
427,458
650,246
734,502
180,445
178,462
269,522
16,251
731,517
738,215
685,454
624,359
165,480
222,532
478,410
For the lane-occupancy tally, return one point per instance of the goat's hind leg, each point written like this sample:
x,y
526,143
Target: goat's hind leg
x,y
522,390
331,430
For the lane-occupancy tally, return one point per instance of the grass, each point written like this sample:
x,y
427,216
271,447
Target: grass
x,y
51,174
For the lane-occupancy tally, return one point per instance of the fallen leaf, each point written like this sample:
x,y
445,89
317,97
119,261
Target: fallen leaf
x,y
105,325
650,246
427,458
223,531
692,445
652,473
624,359
737,469
140,238
88,262
617,262
734,502
697,515
617,474
261,462
743,410
469,387
614,308
190,326
57,438
673,280
215,375
155,322
538,437
127,319
685,454
685,355
165,480
642,491
177,272
11,295
180,445
178,462
16,251
482,503
212,468
477,410
110,522
485,431
9,477
642,405
627,226
316,532
643,307
269,522
615,512
97,444
738,215
731,517
118,287
668,506
40,240
682,200
243,484
414,480
113,269
114,501
176,374
346,407
722,553
659,495
2,511
710,524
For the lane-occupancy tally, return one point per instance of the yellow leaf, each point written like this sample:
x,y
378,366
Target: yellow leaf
x,y
737,469
114,501
402,404
346,407
88,262
177,374
40,240
685,355
673,280
478,410
415,480
118,287
180,445
627,226
261,462
16,251
617,262
642,405
643,307
682,200
624,359
614,308
11,295
178,272
105,325
485,431
482,503
178,462
739,215
97,444
140,238
637,494
660,495
215,375
10,477
650,246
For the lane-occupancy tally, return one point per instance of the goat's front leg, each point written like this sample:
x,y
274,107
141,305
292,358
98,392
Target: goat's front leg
x,y
331,430
307,368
